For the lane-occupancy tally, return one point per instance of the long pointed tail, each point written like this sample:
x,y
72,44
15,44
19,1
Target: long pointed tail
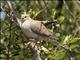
x,y
70,54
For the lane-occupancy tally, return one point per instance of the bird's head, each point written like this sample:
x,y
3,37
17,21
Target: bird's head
x,y
25,16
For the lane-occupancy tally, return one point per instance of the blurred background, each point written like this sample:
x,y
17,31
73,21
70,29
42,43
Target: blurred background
x,y
66,28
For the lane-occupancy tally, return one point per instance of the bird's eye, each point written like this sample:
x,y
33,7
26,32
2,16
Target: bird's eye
x,y
24,17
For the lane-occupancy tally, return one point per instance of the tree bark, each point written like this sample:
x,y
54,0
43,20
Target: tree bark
x,y
36,51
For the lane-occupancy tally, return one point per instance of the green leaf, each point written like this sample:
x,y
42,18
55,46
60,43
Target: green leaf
x,y
59,55
73,46
74,40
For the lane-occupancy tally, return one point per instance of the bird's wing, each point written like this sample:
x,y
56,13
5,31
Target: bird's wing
x,y
38,28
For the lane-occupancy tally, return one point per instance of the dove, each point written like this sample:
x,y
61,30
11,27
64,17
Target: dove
x,y
34,29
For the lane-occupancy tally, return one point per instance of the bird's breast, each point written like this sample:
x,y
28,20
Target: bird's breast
x,y
26,28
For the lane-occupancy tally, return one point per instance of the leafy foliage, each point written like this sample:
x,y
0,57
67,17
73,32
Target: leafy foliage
x,y
67,28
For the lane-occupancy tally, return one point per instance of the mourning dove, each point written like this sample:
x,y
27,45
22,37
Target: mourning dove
x,y
34,29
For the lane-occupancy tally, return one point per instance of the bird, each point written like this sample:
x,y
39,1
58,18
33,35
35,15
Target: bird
x,y
34,29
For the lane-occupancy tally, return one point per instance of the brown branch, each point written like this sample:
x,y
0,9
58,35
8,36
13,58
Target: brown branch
x,y
35,50
15,14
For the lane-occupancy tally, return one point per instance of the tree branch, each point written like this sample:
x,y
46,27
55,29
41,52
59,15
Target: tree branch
x,y
36,52
15,14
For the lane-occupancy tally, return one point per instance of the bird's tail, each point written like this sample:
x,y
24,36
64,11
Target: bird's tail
x,y
69,53
55,39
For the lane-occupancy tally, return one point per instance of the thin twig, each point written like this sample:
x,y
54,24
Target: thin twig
x,y
15,14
